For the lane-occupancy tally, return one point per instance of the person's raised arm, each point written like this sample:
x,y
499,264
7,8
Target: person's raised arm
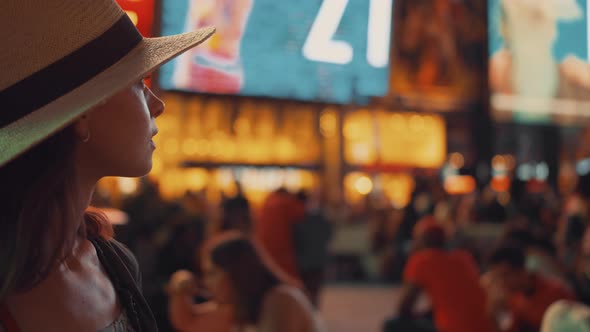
x,y
186,316
408,298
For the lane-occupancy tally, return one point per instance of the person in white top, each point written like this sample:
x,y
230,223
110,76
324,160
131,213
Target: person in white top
x,y
566,316
248,293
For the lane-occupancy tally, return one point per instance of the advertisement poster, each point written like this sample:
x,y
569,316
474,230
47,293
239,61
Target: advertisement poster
x,y
318,50
539,71
439,52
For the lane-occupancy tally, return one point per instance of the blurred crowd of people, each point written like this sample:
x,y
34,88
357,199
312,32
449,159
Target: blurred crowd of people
x,y
251,263
532,276
236,266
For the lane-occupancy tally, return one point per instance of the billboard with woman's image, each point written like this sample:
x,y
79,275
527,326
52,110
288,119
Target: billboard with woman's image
x,y
318,50
539,71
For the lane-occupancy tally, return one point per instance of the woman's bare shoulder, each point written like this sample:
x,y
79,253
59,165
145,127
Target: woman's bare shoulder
x,y
287,295
290,309
287,301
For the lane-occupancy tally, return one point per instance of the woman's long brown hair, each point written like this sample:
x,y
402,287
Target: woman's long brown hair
x,y
251,273
38,221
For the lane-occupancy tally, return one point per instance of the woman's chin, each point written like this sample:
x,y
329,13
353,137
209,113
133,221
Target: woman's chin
x,y
136,171
146,171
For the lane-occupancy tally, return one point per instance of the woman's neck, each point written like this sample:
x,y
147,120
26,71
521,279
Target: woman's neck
x,y
86,182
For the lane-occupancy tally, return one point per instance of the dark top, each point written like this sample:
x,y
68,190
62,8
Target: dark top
x,y
123,270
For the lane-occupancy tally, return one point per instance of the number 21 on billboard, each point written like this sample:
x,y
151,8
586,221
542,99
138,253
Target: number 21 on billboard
x,y
320,45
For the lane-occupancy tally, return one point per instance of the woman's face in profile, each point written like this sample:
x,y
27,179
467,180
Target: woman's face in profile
x,y
120,133
217,282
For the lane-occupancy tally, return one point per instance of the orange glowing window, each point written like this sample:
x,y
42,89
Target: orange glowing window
x,y
459,184
500,184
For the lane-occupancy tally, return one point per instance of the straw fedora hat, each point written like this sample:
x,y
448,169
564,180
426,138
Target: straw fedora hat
x,y
61,57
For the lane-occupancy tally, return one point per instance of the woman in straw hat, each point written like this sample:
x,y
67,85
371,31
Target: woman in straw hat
x,y
74,109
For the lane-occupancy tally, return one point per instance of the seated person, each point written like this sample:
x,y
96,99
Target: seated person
x,y
566,316
249,293
540,255
513,290
450,278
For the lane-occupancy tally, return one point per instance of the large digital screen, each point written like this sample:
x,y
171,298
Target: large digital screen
x,y
317,50
439,53
538,61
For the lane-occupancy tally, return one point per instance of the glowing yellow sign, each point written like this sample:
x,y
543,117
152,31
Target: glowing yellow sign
x,y
397,139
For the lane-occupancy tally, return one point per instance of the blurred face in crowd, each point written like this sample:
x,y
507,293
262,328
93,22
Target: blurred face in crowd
x,y
217,282
510,278
428,233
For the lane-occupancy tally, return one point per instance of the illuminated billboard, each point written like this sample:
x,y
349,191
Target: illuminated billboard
x,y
539,71
317,50
439,53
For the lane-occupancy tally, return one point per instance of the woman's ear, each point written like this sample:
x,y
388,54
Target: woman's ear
x,y
82,128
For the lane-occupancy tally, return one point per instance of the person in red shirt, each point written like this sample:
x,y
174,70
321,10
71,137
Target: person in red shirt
x,y
523,295
274,229
450,278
